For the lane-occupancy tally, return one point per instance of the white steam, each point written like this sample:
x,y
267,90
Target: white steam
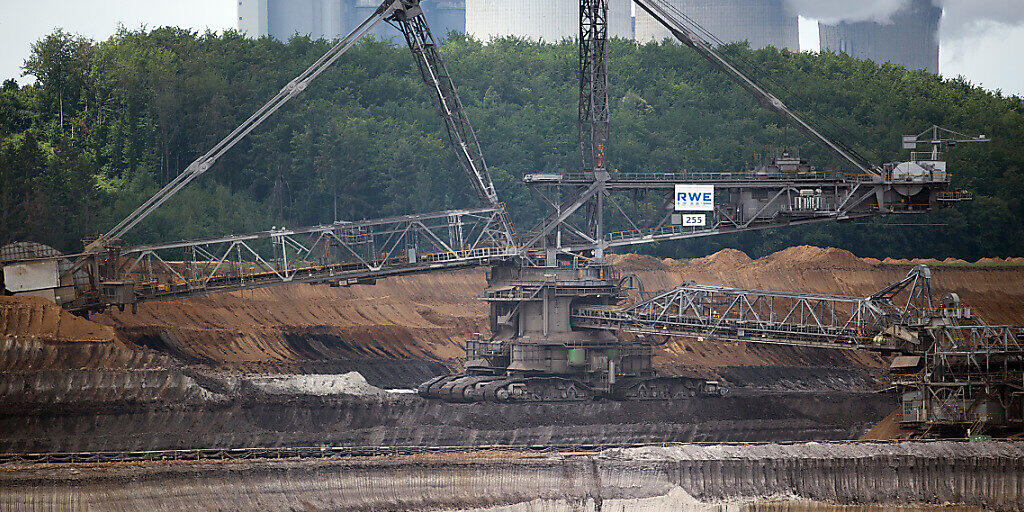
x,y
967,18
834,11
960,18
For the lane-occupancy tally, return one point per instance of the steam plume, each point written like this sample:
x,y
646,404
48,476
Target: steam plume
x,y
961,18
964,18
834,11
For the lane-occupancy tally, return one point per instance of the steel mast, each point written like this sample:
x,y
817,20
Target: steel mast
x,y
593,60
594,123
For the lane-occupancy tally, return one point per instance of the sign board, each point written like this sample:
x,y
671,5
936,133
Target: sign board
x,y
910,142
31,276
695,219
700,198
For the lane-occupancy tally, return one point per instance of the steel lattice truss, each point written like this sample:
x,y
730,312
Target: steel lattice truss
x,y
761,316
969,365
839,197
594,116
340,253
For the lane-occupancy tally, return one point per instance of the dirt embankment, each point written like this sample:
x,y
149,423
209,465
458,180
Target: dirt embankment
x,y
292,327
425,318
36,335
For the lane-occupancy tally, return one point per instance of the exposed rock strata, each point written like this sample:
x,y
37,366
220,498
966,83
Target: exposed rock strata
x,y
985,475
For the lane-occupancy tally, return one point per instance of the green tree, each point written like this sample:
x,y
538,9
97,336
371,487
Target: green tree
x,y
61,62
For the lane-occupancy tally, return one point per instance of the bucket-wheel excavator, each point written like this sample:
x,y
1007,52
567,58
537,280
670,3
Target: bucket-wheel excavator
x,y
551,292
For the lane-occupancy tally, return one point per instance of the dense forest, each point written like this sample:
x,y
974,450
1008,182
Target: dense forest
x,y
107,123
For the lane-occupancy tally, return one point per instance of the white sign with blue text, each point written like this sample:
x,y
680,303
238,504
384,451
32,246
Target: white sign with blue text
x,y
695,198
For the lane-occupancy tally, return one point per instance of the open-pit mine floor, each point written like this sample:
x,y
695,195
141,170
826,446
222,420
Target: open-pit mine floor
x,y
853,477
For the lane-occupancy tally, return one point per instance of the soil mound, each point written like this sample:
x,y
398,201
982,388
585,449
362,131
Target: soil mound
x,y
634,262
991,261
38,318
895,261
723,260
814,257
422,317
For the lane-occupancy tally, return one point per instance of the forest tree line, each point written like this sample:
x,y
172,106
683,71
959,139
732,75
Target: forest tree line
x,y
107,123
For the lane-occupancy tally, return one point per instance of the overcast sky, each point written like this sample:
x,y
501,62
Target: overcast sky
x,y
989,52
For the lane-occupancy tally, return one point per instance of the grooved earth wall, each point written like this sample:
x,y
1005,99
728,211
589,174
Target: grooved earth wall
x,y
689,477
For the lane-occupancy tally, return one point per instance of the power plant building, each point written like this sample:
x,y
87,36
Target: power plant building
x,y
910,39
761,22
332,19
548,20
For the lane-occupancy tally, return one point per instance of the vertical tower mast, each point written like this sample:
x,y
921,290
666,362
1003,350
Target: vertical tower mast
x,y
593,109
593,113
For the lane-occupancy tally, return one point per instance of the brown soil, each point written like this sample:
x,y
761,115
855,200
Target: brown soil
x,y
888,428
37,335
995,291
39,318
412,317
427,317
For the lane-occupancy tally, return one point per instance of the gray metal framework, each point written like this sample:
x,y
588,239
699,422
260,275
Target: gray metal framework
x,y
576,222
746,201
760,316
972,375
461,137
339,253
960,375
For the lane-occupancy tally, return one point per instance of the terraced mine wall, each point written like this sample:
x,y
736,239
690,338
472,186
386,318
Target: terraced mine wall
x,y
171,411
978,476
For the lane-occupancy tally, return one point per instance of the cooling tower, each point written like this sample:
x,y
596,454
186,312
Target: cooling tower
x,y
549,20
252,18
335,18
909,39
761,22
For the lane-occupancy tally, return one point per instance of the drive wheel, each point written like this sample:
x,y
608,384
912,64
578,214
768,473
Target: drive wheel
x,y
682,391
502,394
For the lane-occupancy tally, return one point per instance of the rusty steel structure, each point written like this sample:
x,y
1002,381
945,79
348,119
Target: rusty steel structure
x,y
956,374
553,297
878,322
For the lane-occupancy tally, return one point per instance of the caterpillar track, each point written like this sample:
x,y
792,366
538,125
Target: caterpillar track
x,y
467,388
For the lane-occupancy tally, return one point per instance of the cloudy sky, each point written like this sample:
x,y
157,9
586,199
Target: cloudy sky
x,y
982,40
